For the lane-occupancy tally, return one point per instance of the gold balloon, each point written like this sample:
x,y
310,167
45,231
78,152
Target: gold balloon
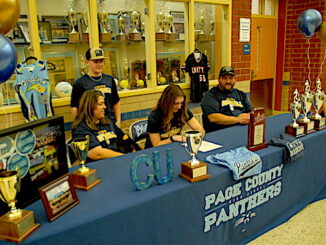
x,y
9,13
322,32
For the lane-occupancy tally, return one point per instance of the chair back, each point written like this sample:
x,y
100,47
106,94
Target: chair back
x,y
138,130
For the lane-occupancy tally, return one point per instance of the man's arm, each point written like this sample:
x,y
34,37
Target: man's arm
x,y
222,119
117,113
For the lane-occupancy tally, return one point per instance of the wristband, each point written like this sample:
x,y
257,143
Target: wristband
x,y
171,138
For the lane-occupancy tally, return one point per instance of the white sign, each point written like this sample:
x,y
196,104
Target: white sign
x,y
244,30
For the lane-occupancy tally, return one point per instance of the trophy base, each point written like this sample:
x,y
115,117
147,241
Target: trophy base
x,y
319,123
135,36
74,37
296,132
194,173
257,147
202,37
172,36
308,126
85,181
85,37
121,37
17,230
160,36
211,37
105,37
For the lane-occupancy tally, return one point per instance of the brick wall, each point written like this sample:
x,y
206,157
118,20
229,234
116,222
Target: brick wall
x,y
240,61
296,45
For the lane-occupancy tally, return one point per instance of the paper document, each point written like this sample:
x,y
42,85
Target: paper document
x,y
207,146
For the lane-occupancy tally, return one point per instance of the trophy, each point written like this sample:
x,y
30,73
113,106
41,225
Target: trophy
x,y
16,225
160,35
168,21
256,130
83,178
202,36
142,26
318,102
295,129
135,35
211,27
84,21
124,84
103,18
73,21
193,170
121,24
306,102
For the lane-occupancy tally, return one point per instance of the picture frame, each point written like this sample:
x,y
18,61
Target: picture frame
x,y
45,31
58,197
178,16
113,21
178,23
17,35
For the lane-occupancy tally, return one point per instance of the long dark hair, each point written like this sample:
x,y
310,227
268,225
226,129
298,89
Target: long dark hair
x,y
165,104
87,105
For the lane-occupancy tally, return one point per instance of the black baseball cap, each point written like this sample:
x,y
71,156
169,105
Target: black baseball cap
x,y
227,70
95,54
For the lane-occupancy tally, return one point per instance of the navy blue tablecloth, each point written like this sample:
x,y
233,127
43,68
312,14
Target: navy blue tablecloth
x,y
183,213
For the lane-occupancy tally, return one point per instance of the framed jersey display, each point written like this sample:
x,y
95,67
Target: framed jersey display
x,y
38,150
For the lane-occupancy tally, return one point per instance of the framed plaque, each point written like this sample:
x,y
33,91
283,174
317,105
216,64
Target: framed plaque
x,y
58,197
256,130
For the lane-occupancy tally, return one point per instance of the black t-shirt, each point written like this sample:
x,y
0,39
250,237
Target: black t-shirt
x,y
198,72
106,135
155,120
106,85
228,103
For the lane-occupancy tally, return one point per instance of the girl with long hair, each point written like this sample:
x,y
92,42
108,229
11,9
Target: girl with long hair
x,y
90,120
166,121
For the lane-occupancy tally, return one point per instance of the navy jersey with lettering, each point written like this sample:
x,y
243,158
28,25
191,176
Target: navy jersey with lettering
x,y
106,135
33,87
228,103
198,72
106,85
155,120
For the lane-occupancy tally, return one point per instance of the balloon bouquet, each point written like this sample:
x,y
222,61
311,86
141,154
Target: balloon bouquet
x,y
9,13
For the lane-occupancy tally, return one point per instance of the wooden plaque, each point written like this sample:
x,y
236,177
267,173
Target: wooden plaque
x,y
74,37
105,37
85,181
17,229
85,37
319,124
121,37
256,130
308,126
194,173
296,132
160,36
135,36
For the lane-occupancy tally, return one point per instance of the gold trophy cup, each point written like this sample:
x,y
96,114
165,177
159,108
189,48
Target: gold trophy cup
x,y
135,35
121,24
160,35
83,178
124,84
16,225
103,18
193,170
73,21
202,21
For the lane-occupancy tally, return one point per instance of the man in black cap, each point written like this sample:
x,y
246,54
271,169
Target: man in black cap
x,y
224,106
95,79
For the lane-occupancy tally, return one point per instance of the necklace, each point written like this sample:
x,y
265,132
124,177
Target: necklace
x,y
95,80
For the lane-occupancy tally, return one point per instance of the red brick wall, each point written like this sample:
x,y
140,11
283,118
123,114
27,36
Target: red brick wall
x,y
240,61
296,45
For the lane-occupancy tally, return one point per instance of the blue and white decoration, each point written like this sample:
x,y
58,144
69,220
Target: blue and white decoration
x,y
19,161
25,142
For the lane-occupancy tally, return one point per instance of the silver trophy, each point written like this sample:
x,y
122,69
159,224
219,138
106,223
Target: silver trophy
x,y
73,19
168,23
211,27
160,21
295,108
80,147
121,25
202,22
103,18
84,21
318,99
193,140
306,102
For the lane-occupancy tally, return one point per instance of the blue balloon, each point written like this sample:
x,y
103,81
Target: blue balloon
x,y
309,21
8,58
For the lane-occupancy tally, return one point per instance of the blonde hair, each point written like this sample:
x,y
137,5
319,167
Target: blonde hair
x,y
87,105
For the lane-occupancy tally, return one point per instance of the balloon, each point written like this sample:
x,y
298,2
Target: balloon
x,y
322,32
309,21
8,58
9,13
